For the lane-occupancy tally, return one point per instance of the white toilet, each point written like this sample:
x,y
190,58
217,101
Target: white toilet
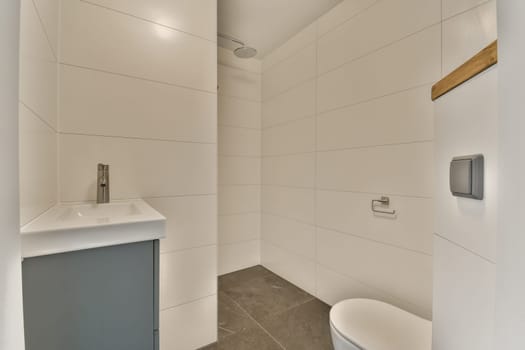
x,y
364,324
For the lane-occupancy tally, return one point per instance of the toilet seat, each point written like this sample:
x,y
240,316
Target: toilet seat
x,y
374,325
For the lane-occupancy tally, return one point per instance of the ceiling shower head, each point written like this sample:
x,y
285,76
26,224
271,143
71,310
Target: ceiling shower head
x,y
243,51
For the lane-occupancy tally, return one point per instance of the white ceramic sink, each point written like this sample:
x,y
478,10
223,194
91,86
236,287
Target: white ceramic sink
x,y
69,227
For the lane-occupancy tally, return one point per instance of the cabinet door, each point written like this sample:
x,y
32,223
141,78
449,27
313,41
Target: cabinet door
x,y
97,299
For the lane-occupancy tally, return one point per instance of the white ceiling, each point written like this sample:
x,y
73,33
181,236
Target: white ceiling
x,y
266,24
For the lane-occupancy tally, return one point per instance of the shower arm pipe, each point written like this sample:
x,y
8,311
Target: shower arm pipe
x,y
231,38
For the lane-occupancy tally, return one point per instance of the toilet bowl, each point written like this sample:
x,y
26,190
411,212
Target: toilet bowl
x,y
364,324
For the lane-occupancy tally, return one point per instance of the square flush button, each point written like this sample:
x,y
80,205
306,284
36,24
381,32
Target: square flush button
x,y
466,176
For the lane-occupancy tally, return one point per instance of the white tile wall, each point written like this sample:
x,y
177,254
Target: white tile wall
x,y
187,275
289,73
390,269
140,168
463,298
97,103
277,140
185,227
296,103
471,224
139,92
38,165
127,45
384,24
405,64
195,17
49,13
344,12
239,199
239,255
239,162
38,107
295,268
465,230
347,117
404,169
454,7
468,33
189,326
403,117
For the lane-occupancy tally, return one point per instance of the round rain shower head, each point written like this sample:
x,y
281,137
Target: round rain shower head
x,y
245,52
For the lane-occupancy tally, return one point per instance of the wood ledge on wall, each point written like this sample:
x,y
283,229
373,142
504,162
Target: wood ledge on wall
x,y
483,60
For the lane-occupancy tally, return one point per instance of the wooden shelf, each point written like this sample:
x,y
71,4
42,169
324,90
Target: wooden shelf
x,y
483,60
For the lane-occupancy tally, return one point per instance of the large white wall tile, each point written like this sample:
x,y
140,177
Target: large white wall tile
x,y
290,47
333,287
404,274
291,235
38,165
401,169
98,103
187,275
407,116
191,221
454,7
293,104
467,34
38,66
350,212
103,39
289,73
277,140
380,25
139,168
409,63
293,203
466,124
49,13
189,326
342,13
197,17
235,141
239,112
239,170
296,269
464,300
295,170
239,199
238,256
239,228
239,83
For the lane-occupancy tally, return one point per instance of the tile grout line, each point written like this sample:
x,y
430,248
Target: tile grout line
x,y
256,322
129,76
147,20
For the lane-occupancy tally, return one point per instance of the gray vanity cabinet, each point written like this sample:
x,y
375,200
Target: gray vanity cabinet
x,y
96,299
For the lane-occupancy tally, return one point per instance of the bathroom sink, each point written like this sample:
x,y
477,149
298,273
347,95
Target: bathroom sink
x,y
70,227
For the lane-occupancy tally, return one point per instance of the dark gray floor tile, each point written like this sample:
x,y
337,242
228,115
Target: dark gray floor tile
x,y
305,327
250,339
213,346
266,295
234,278
232,318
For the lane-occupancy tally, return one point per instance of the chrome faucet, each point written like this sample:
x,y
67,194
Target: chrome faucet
x,y
103,183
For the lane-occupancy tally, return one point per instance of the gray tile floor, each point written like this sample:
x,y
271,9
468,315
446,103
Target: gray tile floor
x,y
258,310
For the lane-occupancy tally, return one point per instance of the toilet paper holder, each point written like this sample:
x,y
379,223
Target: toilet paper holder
x,y
383,201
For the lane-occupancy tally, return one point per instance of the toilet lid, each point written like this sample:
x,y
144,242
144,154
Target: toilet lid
x,y
374,325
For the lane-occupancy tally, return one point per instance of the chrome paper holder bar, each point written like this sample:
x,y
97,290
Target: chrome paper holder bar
x,y
383,201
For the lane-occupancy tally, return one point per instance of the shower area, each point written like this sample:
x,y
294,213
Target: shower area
x,y
326,151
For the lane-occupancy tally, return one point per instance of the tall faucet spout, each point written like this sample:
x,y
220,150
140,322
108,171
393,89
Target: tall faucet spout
x,y
103,183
